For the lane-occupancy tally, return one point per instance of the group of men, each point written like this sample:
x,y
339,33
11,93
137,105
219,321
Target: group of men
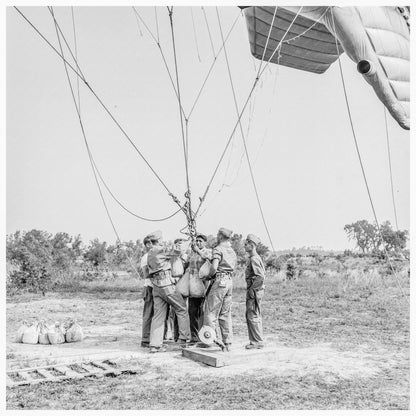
x,y
164,304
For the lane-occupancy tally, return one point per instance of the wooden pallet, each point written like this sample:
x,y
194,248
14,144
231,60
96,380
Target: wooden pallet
x,y
73,371
214,357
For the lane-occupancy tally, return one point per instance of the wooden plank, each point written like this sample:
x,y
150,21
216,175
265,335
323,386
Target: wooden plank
x,y
9,381
209,358
48,376
25,375
108,369
68,372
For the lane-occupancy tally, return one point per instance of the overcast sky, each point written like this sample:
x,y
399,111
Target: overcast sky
x,y
299,136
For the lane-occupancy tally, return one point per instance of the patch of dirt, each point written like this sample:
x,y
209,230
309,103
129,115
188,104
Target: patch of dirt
x,y
321,359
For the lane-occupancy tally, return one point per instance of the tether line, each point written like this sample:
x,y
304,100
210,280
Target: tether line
x,y
243,137
190,218
362,165
76,55
105,108
195,37
202,199
212,67
390,168
77,107
162,55
82,128
209,32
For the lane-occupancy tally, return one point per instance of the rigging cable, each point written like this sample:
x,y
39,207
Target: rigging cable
x,y
82,128
156,40
212,66
243,136
195,37
190,218
201,199
390,168
76,56
209,32
92,158
175,199
90,152
362,165
92,163
157,25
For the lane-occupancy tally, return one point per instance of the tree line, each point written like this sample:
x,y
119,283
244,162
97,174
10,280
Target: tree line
x,y
370,238
38,260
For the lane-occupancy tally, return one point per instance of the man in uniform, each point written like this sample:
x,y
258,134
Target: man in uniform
x,y
255,274
195,304
164,293
172,319
147,295
218,302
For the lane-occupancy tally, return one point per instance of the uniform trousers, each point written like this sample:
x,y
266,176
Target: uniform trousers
x,y
217,310
196,316
162,298
253,316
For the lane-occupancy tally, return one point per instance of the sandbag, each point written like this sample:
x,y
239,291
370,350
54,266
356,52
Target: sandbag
x,y
205,270
177,267
56,335
74,333
196,286
31,334
20,332
183,285
43,333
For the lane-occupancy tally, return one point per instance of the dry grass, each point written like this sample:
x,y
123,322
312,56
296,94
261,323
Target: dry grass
x,y
352,304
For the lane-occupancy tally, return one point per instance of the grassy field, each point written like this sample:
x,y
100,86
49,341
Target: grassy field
x,y
342,328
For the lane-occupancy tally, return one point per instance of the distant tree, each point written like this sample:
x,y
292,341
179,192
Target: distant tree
x,y
393,240
369,238
77,246
364,234
290,269
62,251
32,252
96,252
237,243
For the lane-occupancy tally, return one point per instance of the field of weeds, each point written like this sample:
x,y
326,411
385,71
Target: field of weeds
x,y
341,329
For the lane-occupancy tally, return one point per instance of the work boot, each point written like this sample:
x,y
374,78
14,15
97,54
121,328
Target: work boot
x,y
256,346
157,349
183,343
144,344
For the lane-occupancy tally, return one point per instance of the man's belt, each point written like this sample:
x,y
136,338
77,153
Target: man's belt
x,y
223,274
162,278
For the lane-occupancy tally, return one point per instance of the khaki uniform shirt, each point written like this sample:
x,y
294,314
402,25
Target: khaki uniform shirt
x,y
158,258
196,261
226,256
255,273
145,270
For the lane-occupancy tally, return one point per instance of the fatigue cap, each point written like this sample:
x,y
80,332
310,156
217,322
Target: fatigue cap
x,y
202,237
253,238
225,232
155,235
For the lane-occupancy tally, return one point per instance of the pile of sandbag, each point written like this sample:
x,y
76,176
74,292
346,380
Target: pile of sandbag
x,y
39,332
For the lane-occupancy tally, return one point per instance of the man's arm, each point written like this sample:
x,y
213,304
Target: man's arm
x,y
258,270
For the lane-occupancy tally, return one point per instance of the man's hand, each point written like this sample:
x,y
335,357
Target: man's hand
x,y
195,248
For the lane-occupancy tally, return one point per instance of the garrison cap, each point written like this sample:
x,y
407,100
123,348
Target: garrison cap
x,y
178,240
155,235
225,232
202,237
253,238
